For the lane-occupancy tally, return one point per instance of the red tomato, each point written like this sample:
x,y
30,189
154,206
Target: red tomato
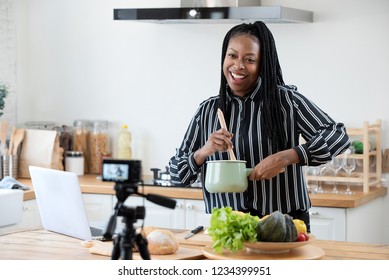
x,y
302,237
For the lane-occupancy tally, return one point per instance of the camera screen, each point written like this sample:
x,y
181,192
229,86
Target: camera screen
x,y
122,171
116,172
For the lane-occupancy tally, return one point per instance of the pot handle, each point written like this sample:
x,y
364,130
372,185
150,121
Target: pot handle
x,y
248,171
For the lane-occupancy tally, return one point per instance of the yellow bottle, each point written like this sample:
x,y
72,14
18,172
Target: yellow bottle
x,y
124,143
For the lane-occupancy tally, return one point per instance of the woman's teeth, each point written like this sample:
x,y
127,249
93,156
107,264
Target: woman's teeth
x,y
236,76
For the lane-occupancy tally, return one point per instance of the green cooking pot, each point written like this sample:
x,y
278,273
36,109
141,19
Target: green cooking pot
x,y
226,176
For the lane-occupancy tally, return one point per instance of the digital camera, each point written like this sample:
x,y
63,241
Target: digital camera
x,y
122,171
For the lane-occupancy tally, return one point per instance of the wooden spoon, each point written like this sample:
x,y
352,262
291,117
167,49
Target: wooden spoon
x,y
3,136
11,141
224,125
18,138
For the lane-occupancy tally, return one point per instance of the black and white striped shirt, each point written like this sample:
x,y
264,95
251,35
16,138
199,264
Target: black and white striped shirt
x,y
287,191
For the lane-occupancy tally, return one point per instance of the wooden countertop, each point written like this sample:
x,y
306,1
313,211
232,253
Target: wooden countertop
x,y
347,201
89,184
44,245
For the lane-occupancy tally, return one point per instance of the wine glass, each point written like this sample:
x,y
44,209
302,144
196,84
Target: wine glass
x,y
313,183
325,170
348,166
335,164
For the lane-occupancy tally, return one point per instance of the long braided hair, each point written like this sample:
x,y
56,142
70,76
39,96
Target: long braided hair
x,y
271,75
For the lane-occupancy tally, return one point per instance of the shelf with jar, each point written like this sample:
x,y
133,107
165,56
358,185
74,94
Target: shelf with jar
x,y
368,168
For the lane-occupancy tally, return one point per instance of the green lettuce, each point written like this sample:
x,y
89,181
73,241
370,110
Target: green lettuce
x,y
229,229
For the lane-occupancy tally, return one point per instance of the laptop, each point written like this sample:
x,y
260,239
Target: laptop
x,y
60,203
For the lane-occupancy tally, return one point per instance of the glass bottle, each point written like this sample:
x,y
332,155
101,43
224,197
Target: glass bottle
x,y
81,135
98,146
124,143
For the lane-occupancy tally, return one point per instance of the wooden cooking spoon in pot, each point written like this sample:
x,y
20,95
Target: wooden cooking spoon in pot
x,y
224,125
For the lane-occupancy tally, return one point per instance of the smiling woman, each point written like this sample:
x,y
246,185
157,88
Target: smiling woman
x,y
241,65
265,119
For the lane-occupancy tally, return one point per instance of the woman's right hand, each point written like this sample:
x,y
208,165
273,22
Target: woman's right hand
x,y
219,140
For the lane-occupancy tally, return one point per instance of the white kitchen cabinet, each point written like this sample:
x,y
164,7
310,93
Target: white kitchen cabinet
x,y
365,222
359,224
30,218
188,214
195,214
156,215
99,208
328,223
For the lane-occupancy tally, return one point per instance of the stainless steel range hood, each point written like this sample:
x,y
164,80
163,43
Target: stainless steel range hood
x,y
216,11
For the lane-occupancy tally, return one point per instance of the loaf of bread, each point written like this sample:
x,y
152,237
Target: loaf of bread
x,y
160,241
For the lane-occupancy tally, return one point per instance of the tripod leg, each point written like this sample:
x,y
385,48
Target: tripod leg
x,y
141,242
116,248
126,248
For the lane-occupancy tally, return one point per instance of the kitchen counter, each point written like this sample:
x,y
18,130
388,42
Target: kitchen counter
x,y
89,184
40,244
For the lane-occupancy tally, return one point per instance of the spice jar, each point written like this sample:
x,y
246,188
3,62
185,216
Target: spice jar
x,y
98,146
75,162
81,135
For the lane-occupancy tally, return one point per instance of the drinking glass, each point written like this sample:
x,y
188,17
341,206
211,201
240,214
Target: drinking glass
x,y
335,164
348,166
325,170
313,184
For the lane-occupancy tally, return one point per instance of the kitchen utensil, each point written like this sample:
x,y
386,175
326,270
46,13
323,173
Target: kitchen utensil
x,y
226,176
18,138
223,124
194,231
3,136
11,141
10,166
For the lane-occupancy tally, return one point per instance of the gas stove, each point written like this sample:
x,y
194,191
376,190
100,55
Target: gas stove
x,y
168,183
163,179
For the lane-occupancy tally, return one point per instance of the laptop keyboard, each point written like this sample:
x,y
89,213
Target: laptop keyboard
x,y
96,231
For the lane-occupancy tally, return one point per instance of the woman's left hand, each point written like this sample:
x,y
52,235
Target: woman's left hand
x,y
273,165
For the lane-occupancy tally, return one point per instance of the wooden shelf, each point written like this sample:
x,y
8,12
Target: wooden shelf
x,y
368,176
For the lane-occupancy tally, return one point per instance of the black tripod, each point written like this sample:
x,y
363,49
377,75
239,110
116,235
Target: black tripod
x,y
124,242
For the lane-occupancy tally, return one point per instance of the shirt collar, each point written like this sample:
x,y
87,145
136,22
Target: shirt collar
x,y
251,95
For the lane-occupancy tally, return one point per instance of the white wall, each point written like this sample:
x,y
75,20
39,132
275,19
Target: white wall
x,y
8,57
74,62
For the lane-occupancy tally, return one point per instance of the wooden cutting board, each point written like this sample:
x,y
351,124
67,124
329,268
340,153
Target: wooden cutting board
x,y
199,239
105,249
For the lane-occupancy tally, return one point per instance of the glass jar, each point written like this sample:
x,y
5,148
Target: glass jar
x,y
65,139
81,135
75,162
98,145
